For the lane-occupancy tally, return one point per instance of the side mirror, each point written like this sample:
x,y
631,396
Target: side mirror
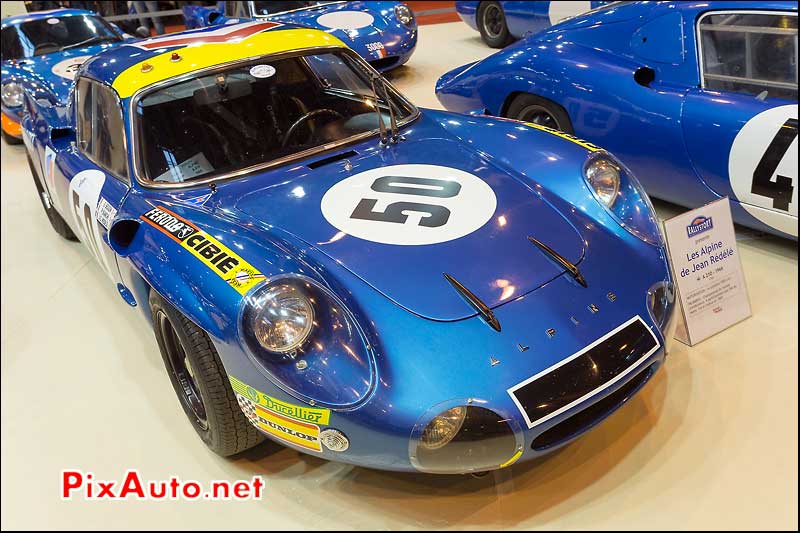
x,y
142,32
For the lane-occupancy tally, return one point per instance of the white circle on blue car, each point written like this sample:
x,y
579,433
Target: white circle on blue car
x,y
68,68
345,20
409,204
762,167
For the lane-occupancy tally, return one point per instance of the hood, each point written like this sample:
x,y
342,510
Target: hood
x,y
350,22
400,227
55,72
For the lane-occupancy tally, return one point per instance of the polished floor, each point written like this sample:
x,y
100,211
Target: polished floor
x,y
711,442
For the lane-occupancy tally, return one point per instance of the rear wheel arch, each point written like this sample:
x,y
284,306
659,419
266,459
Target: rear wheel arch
x,y
515,100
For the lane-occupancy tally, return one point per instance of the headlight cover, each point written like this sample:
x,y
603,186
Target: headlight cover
x,y
404,14
12,94
621,194
463,436
307,342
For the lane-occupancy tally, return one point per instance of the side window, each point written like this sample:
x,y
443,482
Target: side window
x,y
100,128
749,53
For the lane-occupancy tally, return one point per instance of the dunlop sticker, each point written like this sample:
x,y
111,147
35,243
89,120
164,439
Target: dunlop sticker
x,y
295,432
580,142
296,412
236,272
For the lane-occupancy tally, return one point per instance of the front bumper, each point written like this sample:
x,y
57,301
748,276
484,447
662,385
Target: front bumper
x,y
11,125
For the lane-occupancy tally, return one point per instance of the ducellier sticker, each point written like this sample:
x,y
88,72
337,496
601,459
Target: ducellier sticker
x,y
580,142
237,272
294,424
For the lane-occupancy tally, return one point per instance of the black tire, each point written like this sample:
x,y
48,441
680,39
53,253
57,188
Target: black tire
x,y
57,221
541,111
492,24
10,139
202,385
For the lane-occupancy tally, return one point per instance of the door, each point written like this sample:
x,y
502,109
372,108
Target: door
x,y
90,177
740,125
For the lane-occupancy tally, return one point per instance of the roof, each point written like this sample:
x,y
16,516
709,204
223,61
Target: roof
x,y
18,19
138,64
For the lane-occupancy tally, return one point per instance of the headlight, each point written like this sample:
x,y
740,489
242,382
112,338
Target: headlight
x,y
443,428
603,177
306,341
616,189
12,94
281,318
404,14
454,438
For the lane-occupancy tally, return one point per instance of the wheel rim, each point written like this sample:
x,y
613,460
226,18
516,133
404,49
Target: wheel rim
x,y
493,21
182,370
539,115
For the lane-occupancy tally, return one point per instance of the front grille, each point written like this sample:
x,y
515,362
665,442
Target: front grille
x,y
383,63
579,376
583,420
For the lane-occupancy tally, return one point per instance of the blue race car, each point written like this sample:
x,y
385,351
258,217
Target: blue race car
x,y
699,99
41,53
328,266
500,23
384,33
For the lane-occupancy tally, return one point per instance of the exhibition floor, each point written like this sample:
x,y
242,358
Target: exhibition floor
x,y
710,442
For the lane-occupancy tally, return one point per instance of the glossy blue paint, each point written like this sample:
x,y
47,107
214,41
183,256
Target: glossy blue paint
x,y
524,18
426,345
36,73
397,40
675,135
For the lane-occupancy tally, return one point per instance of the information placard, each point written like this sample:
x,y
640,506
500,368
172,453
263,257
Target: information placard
x,y
705,261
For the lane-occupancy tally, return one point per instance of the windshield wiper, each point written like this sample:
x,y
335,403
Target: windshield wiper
x,y
98,38
379,90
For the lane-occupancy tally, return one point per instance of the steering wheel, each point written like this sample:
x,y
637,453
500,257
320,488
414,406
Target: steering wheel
x,y
45,45
305,118
221,139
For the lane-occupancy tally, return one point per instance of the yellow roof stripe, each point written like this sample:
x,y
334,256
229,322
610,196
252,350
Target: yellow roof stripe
x,y
206,55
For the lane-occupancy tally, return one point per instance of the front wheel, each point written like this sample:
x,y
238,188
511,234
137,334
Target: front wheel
x,y
540,111
492,24
200,381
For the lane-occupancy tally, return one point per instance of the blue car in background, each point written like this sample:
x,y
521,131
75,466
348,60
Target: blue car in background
x,y
328,266
500,23
41,53
384,33
699,99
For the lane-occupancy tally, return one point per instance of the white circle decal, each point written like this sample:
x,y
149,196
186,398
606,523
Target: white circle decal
x,y
69,67
409,204
345,20
763,167
262,71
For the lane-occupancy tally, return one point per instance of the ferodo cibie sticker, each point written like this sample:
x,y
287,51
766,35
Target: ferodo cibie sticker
x,y
237,272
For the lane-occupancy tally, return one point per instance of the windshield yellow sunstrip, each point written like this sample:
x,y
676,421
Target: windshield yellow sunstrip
x,y
207,55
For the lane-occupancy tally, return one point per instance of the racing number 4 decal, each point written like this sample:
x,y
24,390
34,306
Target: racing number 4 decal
x,y
782,188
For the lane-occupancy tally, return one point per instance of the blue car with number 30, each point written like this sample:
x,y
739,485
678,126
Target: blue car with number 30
x,y
41,53
326,265
699,99
384,33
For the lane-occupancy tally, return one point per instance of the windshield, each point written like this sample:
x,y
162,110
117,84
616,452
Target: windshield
x,y
272,7
247,115
47,35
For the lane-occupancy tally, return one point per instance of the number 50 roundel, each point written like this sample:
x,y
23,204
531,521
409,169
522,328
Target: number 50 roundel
x,y
409,204
763,167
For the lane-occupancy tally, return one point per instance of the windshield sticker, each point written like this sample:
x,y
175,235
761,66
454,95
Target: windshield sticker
x,y
409,205
262,71
69,67
197,165
53,21
224,262
345,20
